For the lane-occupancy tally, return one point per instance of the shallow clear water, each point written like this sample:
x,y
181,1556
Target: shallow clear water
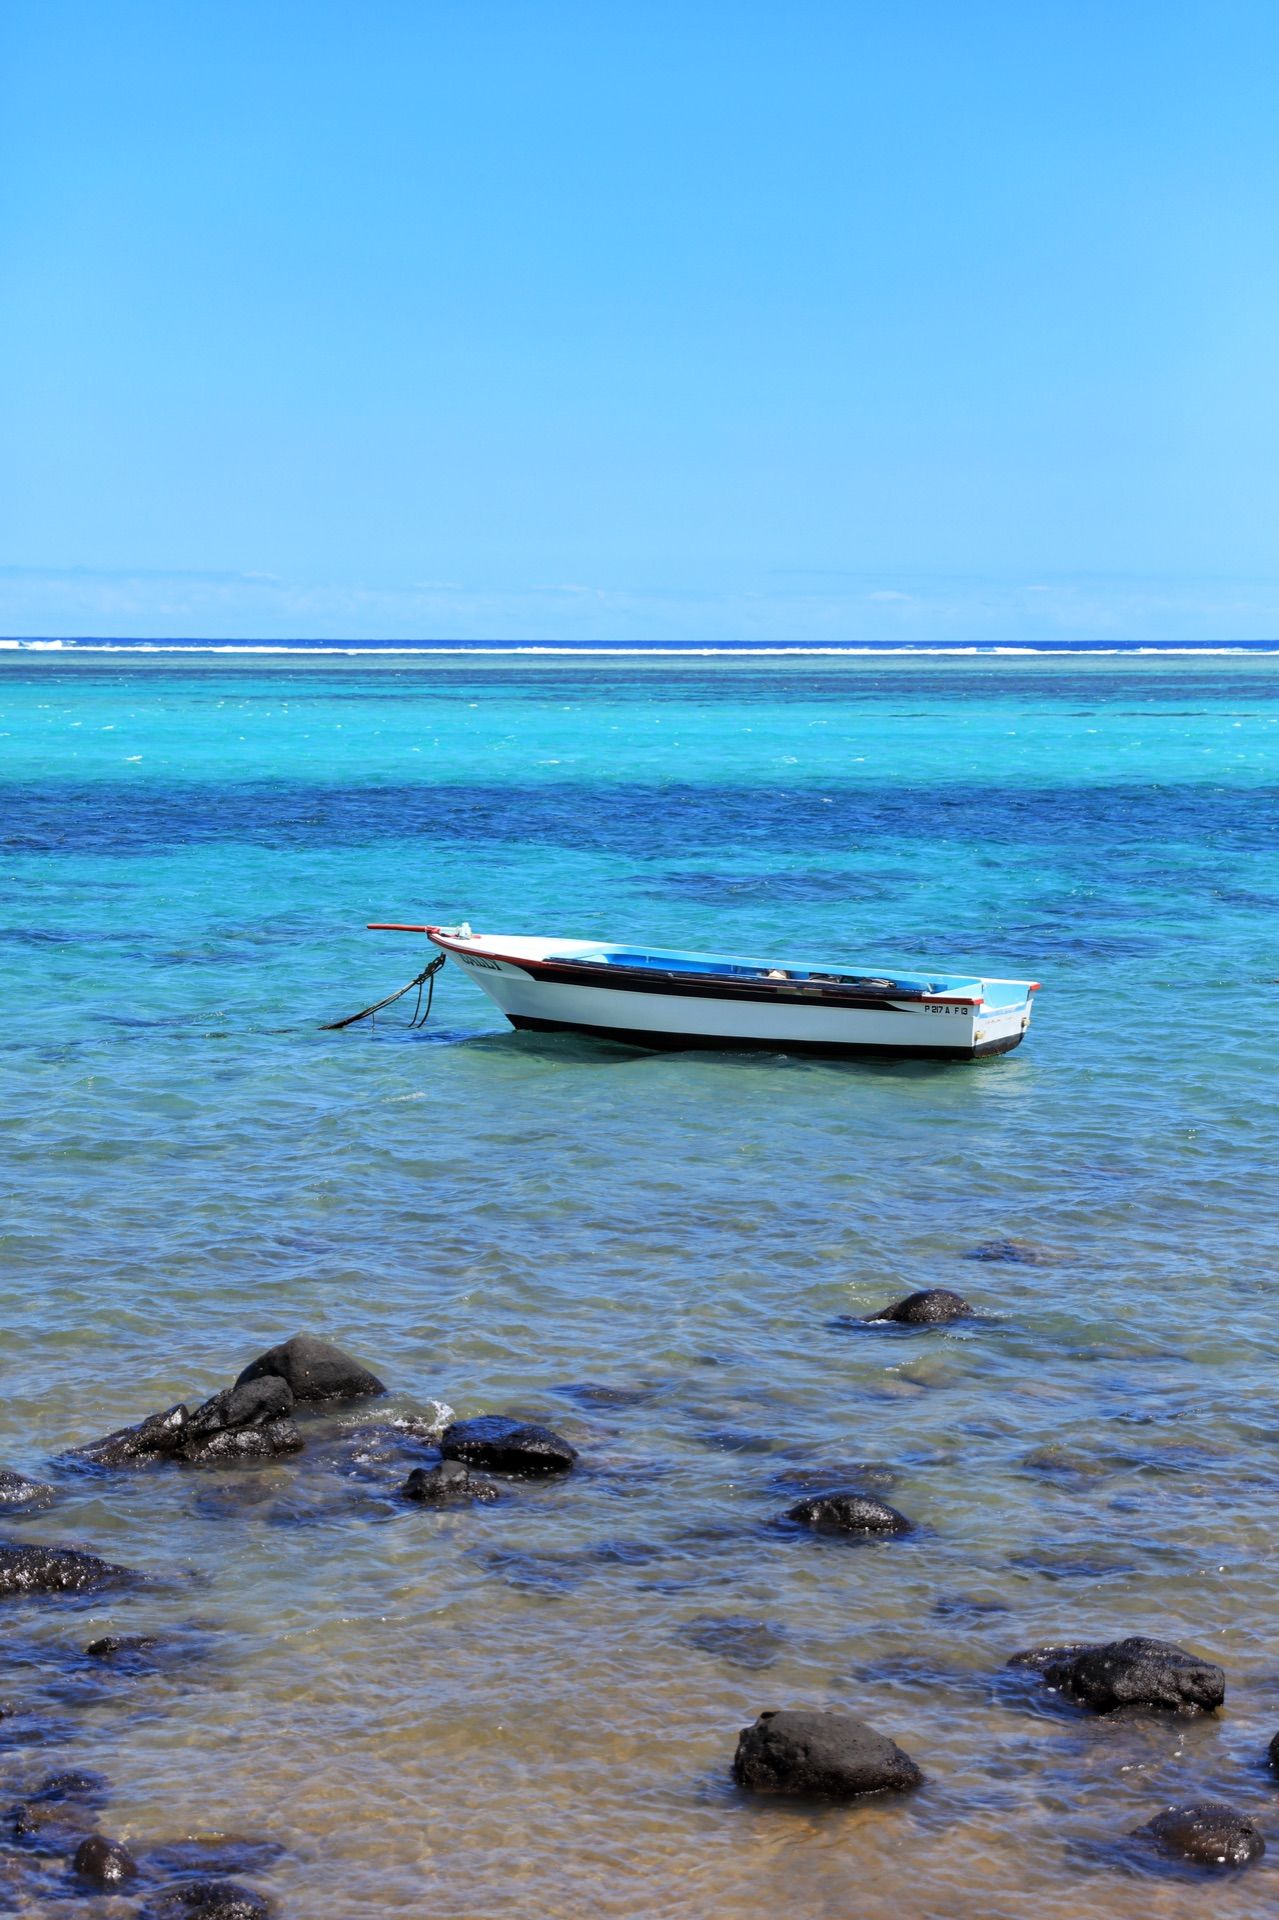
x,y
531,1710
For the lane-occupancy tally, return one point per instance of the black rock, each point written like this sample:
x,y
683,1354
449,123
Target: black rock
x,y
17,1491
845,1512
507,1446
448,1485
159,1437
254,1404
1272,1754
1129,1673
237,1445
105,1862
314,1370
209,1900
1212,1835
38,1569
931,1308
833,1754
113,1643
243,1422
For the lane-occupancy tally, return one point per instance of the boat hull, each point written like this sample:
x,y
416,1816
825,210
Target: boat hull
x,y
559,994
752,1043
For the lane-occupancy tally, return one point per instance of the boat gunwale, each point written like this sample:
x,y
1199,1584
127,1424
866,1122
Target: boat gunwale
x,y
568,970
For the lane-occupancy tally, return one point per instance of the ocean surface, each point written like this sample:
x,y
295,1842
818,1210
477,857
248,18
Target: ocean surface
x,y
529,1711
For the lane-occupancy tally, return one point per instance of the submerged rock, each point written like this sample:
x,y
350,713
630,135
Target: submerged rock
x,y
60,1813
127,1643
842,1511
17,1491
1211,1834
1135,1672
212,1858
104,1862
833,1754
52,1827
1070,1463
76,1783
314,1370
39,1569
229,1499
209,1900
447,1485
736,1440
599,1397
365,1450
1272,1754
862,1474
742,1642
1019,1252
507,1446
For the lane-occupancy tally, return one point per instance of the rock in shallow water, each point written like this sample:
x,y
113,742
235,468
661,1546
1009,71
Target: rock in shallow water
x,y
239,1424
104,1862
243,1445
17,1491
159,1437
256,1403
851,1513
37,1569
832,1754
1212,1835
448,1485
932,1307
208,1900
1135,1672
507,1446
314,1370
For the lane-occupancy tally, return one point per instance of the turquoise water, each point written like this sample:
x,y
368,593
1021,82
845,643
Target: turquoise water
x,y
524,1711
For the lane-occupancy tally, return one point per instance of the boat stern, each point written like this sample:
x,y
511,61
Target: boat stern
x,y
1001,1020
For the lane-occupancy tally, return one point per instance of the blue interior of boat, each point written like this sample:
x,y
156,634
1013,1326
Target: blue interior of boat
x,y
654,959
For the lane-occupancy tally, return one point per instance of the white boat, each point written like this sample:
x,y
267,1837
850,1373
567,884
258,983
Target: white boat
x,y
657,997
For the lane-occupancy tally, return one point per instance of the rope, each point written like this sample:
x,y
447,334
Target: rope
x,y
419,1019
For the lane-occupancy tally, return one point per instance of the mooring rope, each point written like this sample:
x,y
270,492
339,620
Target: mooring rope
x,y
420,1016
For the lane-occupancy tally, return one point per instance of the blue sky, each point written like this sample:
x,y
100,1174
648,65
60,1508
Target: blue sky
x,y
805,321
